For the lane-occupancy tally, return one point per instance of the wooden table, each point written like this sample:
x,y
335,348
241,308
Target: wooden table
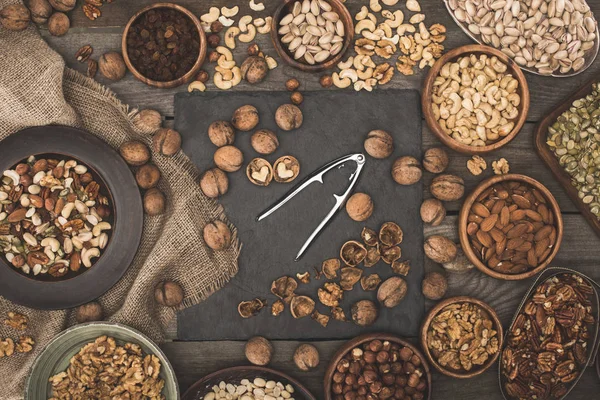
x,y
580,248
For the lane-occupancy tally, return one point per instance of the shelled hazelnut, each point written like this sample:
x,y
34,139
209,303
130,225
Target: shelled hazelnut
x,y
296,98
259,351
326,81
213,41
292,84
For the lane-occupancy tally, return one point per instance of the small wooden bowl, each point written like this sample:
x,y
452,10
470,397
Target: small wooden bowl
x,y
453,300
357,341
426,98
464,214
286,7
191,73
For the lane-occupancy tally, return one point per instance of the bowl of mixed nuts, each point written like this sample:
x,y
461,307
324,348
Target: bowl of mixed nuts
x,y
461,337
312,35
510,227
164,45
475,99
379,365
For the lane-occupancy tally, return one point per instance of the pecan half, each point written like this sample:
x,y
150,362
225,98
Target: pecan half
x,y
84,53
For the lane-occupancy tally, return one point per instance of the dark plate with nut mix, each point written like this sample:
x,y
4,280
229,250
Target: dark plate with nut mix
x,y
126,220
378,363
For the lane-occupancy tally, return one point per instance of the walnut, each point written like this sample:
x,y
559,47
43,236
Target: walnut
x,y
379,144
254,69
7,347
217,235
330,268
168,294
25,344
154,202
401,267
259,351
16,321
58,24
264,141
228,158
148,121
440,249
390,234
135,153
436,160
338,314
370,282
407,170
214,183
277,308
434,286
405,65
322,319
359,206
364,313
166,142
433,212
437,33
500,167
15,17
40,10
112,66
251,308
392,291
476,165
302,306
147,176
221,133
447,187
306,357
284,288
383,73
245,118
89,312
63,5
330,294
288,117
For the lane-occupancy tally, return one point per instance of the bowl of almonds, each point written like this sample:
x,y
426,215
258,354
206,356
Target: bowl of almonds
x,y
312,35
475,99
510,227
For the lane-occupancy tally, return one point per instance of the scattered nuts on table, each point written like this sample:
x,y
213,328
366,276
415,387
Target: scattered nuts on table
x,y
168,293
228,158
148,121
147,176
364,313
359,206
292,84
296,98
264,141
406,170
166,142
349,276
447,187
108,375
89,312
217,235
436,160
433,212
259,351
306,357
392,291
500,167
475,100
462,336
284,288
259,172
251,389
440,249
135,153
16,321
476,165
251,308
214,183
303,277
112,66
254,69
154,202
326,81
379,144
434,286
84,53
7,347
221,133
286,169
288,117
353,253
547,36
245,118
331,267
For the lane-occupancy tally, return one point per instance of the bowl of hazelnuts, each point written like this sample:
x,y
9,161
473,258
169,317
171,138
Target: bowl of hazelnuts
x,y
378,364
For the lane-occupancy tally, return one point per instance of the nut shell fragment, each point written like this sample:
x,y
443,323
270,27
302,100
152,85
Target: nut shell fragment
x,y
353,253
251,308
284,288
390,234
302,306
259,172
370,282
330,268
330,294
286,169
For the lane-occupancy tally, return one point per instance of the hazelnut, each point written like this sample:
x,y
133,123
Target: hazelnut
x,y
379,144
286,169
288,117
245,118
306,357
214,183
228,158
253,49
326,81
260,172
216,27
112,66
447,187
264,141
89,312
202,76
213,42
435,160
375,345
15,17
433,212
168,293
154,202
297,98
213,56
63,5
359,206
259,351
166,142
217,235
221,133
147,176
406,170
292,84
135,153
148,121
391,292
254,69
406,353
22,168
440,249
58,24
364,313
434,286
40,10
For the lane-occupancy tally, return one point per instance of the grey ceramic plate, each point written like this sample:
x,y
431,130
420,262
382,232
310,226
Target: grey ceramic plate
x,y
56,356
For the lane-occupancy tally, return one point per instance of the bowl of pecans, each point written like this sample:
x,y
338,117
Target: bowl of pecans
x,y
510,227
164,45
312,35
461,337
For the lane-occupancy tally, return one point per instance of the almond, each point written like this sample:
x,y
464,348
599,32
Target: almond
x,y
517,231
541,246
512,244
488,223
484,238
543,233
517,215
532,259
521,201
17,215
480,210
534,215
504,216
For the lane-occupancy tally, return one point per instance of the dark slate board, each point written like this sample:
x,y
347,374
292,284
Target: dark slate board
x,y
335,124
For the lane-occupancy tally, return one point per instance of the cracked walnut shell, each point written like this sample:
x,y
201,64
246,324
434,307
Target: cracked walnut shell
x,y
284,288
330,268
251,308
302,306
286,169
353,253
390,234
259,172
330,294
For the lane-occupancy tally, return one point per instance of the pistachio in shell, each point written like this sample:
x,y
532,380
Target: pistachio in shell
x,y
349,277
302,306
338,314
353,253
259,172
330,294
390,234
364,312
330,268
370,282
391,254
369,236
392,291
373,256
284,288
251,308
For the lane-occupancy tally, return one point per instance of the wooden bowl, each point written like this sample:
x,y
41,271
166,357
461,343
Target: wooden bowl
x,y
426,98
235,374
435,310
357,341
285,8
189,76
464,214
55,357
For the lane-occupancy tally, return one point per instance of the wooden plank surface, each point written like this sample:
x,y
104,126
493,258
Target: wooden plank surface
x,y
579,250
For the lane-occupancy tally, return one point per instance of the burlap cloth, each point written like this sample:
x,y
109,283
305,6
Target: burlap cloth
x,y
37,89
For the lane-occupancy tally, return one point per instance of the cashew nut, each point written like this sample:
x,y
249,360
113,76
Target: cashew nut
x,y
224,63
413,5
226,72
225,51
362,14
68,165
230,12
367,61
67,209
385,28
374,5
393,20
514,99
196,85
249,36
494,121
349,73
102,226
357,63
405,28
211,16
205,26
85,236
256,6
243,22
258,22
12,174
346,64
237,76
225,21
366,74
88,254
364,24
220,83
230,35
389,3
266,28
341,83
271,62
